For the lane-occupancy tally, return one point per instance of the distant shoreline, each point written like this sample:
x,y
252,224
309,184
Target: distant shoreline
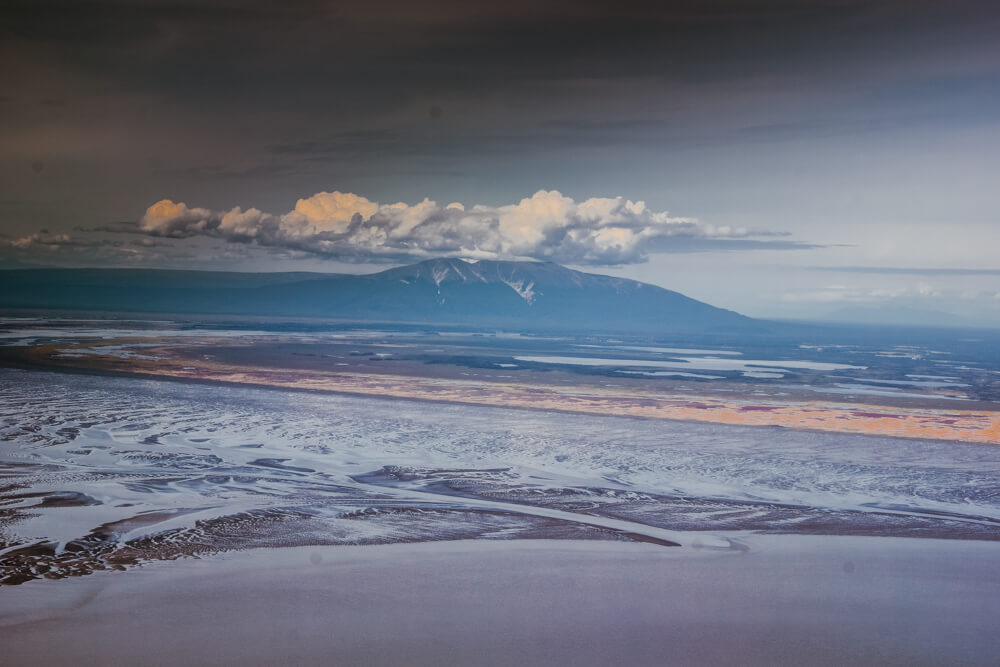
x,y
944,423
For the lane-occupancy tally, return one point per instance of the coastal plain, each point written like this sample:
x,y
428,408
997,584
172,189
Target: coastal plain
x,y
409,495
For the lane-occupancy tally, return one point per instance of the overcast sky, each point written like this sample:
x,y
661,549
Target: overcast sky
x,y
779,158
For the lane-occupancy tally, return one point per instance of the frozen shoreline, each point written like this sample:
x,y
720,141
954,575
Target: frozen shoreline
x,y
788,600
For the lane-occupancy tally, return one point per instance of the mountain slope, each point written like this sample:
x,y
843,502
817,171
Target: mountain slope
x,y
441,291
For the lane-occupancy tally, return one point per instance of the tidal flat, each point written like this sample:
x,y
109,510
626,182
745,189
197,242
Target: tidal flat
x,y
866,387
783,600
314,525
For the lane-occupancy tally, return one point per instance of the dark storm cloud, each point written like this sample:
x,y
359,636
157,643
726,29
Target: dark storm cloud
x,y
45,239
217,172
338,142
280,53
126,227
339,65
252,102
550,137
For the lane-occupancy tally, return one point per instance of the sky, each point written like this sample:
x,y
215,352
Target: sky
x,y
797,159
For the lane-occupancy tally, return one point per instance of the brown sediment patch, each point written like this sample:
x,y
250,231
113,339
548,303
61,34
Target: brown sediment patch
x,y
282,528
636,537
51,498
875,415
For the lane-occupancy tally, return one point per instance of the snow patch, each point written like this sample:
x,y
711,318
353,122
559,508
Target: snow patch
x,y
524,288
438,274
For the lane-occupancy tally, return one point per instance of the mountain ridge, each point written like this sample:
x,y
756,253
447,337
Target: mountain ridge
x,y
435,291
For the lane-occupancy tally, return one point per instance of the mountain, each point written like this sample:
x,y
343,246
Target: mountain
x,y
523,295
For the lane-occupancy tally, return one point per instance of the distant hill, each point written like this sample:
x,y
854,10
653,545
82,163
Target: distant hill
x,y
441,291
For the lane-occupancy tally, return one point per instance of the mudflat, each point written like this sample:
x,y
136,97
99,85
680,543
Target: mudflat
x,y
807,395
778,600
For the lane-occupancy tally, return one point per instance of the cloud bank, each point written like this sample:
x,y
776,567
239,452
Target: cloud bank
x,y
851,294
545,226
46,240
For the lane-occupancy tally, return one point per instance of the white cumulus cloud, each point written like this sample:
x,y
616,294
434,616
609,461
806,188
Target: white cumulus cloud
x,y
545,226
